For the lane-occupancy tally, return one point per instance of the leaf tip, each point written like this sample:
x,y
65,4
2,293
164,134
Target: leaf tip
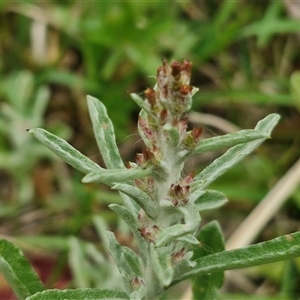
x,y
91,100
86,178
32,130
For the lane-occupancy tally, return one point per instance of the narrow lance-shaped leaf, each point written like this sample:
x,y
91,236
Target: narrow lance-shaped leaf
x,y
211,241
141,103
79,294
191,219
130,205
278,249
139,196
228,140
189,239
17,271
104,134
105,137
111,176
235,154
126,260
65,151
210,200
162,265
132,223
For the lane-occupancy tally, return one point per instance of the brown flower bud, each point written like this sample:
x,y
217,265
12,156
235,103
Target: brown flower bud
x,y
178,256
151,97
176,69
179,194
192,138
136,283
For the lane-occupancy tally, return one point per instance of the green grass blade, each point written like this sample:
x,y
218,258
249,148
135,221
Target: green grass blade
x,y
77,263
17,271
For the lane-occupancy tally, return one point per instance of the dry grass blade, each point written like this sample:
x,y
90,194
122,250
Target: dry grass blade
x,y
211,120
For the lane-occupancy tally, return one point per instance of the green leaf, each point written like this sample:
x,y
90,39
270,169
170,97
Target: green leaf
x,y
132,223
79,294
280,248
191,223
126,260
104,133
130,205
111,176
228,140
189,238
17,271
235,154
211,241
65,151
184,264
162,264
289,286
204,287
140,197
210,200
133,262
142,103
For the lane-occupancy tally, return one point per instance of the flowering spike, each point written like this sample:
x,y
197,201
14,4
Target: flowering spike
x,y
161,206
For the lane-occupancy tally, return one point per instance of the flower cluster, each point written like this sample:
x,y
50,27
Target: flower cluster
x,y
162,125
161,206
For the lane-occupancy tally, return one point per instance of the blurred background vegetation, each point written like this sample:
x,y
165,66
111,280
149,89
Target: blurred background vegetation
x,y
246,61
